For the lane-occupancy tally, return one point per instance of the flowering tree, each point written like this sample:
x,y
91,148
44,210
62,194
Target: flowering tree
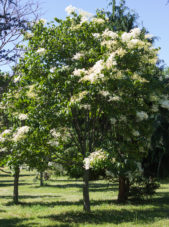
x,y
95,89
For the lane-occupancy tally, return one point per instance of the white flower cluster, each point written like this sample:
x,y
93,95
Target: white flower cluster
x,y
79,72
55,134
52,70
85,15
111,61
42,20
41,51
134,33
104,93
20,133
98,20
4,134
28,35
164,103
17,79
31,92
148,36
114,98
94,73
141,116
113,121
135,133
78,97
77,56
93,158
22,117
70,9
110,34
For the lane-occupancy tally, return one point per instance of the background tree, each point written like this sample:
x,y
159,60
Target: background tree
x,y
15,18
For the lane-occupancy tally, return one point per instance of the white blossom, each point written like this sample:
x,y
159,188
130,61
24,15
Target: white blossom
x,y
41,51
5,133
31,92
104,93
23,117
53,143
79,72
113,121
98,20
78,97
28,35
148,36
164,104
123,118
96,35
70,9
109,33
43,21
55,134
114,98
135,133
126,36
132,43
93,158
135,32
142,116
120,52
94,73
20,133
52,70
17,79
111,61
84,14
77,56
155,108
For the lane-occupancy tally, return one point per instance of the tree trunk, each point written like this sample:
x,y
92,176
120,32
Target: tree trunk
x,y
86,200
159,165
123,189
16,182
113,8
41,178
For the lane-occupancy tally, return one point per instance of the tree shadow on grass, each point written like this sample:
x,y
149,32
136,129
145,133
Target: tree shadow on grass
x,y
93,187
5,175
146,216
159,199
62,203
10,184
29,196
60,186
12,222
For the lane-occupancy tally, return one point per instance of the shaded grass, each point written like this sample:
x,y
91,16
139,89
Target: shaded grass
x,y
59,203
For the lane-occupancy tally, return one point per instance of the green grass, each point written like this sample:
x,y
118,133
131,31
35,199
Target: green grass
x,y
59,203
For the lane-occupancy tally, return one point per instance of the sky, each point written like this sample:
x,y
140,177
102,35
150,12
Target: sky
x,y
153,14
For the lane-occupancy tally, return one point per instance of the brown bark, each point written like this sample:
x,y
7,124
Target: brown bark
x,y
86,200
16,182
123,189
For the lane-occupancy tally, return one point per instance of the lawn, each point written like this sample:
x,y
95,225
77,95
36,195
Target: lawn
x,y
59,203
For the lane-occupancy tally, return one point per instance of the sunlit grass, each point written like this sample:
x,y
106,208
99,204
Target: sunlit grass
x,y
59,203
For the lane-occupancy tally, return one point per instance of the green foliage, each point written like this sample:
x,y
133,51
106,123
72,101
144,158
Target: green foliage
x,y
141,188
